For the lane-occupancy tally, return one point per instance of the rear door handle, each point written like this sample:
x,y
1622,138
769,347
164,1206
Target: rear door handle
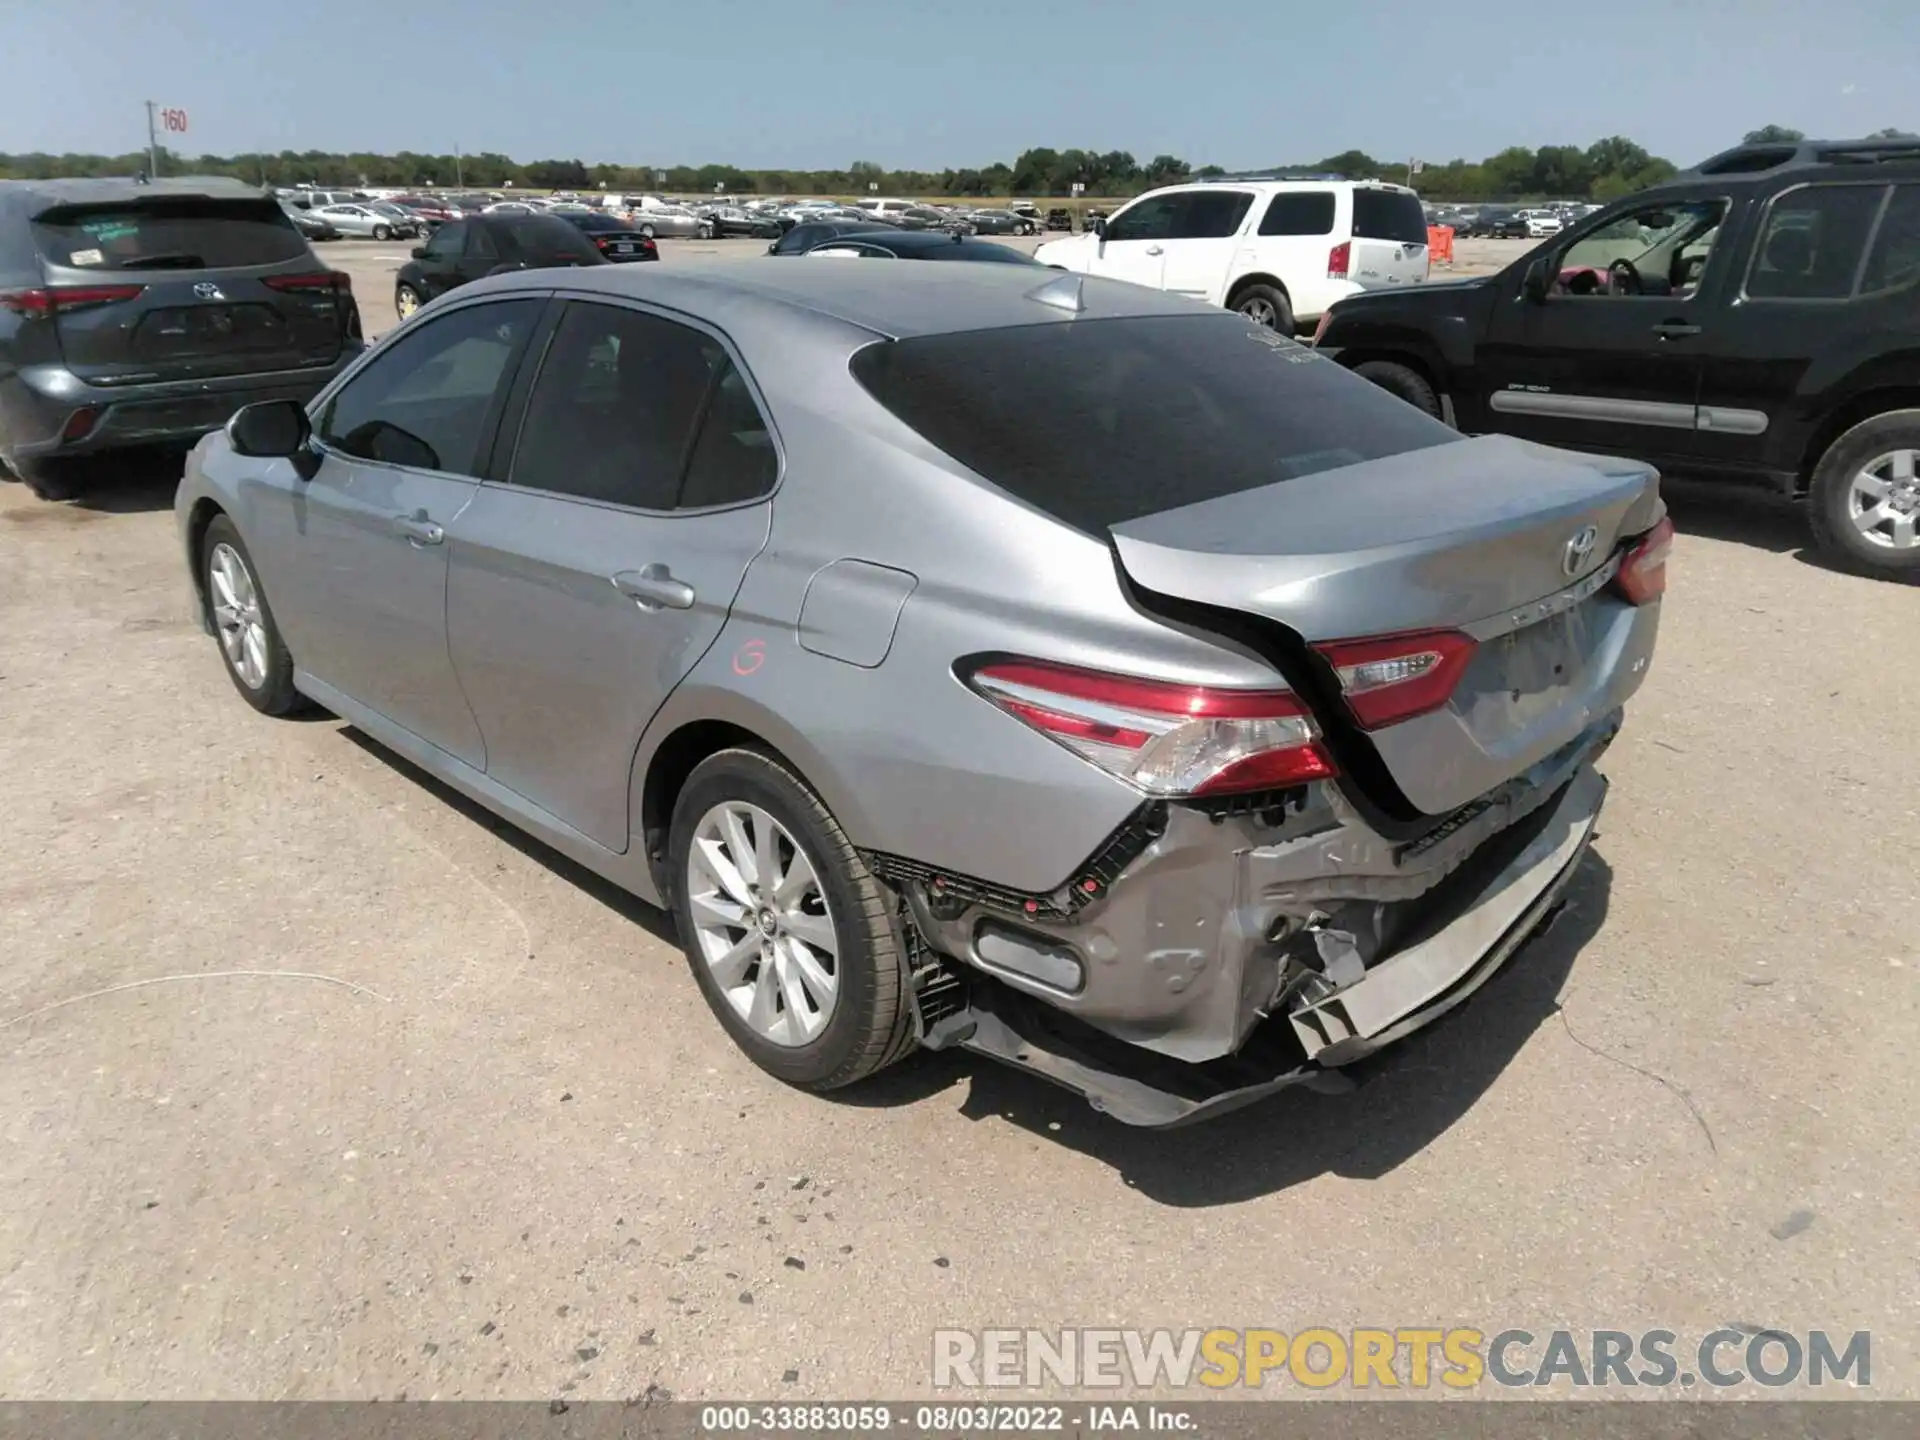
x,y
419,529
1675,330
654,588
1155,250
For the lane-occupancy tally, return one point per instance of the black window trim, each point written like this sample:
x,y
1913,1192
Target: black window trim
x,y
320,410
498,470
1860,266
1559,246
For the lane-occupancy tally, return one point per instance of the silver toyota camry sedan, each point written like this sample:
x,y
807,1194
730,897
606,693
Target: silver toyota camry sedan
x,y
966,656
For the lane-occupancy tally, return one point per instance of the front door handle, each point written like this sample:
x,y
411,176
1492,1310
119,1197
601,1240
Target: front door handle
x,y
419,529
1155,250
1675,330
654,588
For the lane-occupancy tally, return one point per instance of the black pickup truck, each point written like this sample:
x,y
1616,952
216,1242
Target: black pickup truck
x,y
1756,319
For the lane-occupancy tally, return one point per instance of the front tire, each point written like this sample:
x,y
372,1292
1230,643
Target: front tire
x,y
1265,305
1401,380
791,939
406,300
1864,504
647,230
250,645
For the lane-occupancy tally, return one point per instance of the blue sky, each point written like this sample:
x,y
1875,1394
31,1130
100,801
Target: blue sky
x,y
913,83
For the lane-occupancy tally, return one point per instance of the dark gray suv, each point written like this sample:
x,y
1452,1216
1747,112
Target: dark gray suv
x,y
136,313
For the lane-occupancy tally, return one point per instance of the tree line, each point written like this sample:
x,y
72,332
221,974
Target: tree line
x,y
1601,171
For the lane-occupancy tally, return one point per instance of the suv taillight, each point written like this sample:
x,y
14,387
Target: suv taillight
x,y
1396,677
1643,571
1339,259
45,302
1167,739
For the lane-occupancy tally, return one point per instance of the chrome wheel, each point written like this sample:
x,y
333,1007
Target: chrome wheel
x,y
237,615
1260,310
762,923
405,302
1883,500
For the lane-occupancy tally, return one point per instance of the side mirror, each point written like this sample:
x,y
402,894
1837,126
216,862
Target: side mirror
x,y
1099,227
270,429
1537,284
419,252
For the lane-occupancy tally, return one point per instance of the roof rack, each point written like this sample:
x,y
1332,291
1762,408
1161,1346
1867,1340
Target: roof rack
x,y
1756,159
1269,175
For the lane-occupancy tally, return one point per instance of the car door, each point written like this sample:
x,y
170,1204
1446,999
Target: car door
x,y
1609,359
1133,244
1812,284
600,562
357,556
439,258
1202,242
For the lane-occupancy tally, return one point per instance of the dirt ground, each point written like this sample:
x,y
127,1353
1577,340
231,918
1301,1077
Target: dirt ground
x,y
322,1083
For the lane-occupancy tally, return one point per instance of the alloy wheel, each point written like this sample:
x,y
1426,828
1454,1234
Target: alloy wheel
x,y
1260,311
1883,500
237,614
762,923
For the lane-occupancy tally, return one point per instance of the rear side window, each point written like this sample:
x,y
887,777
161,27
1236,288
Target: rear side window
x,y
1813,242
1101,422
1895,260
1389,215
545,240
1212,215
1308,212
183,234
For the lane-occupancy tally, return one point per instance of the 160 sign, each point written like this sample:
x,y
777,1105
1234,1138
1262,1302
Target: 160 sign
x,y
174,121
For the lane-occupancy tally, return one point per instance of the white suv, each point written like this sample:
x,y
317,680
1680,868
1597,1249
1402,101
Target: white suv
x,y
1278,251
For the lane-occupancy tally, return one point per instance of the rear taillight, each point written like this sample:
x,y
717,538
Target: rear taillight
x,y
1396,677
1167,739
1339,259
336,280
1643,570
48,300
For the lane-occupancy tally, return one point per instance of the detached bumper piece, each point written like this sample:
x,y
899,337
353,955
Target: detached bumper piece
x,y
1503,898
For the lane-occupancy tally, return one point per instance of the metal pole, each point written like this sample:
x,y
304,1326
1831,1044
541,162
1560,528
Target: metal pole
x,y
153,147
459,170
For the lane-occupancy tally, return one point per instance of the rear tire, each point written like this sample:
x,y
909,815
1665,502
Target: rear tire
x,y
1879,455
868,1022
1401,380
1265,305
382,232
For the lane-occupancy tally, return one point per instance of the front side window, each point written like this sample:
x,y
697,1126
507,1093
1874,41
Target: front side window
x,y
1150,219
1812,242
614,413
1299,212
425,401
447,241
1659,249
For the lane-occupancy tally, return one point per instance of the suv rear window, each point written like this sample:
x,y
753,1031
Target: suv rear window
x,y
544,237
1389,215
1097,423
184,234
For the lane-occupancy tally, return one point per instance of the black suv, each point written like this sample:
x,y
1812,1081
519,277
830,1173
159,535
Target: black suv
x,y
136,313
1755,319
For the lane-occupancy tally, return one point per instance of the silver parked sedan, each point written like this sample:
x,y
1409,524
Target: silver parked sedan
x,y
370,221
677,221
1044,665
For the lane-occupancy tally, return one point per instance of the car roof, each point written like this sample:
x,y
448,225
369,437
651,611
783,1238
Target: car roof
x,y
896,301
33,196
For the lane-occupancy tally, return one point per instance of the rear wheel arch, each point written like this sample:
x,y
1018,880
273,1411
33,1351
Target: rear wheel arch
x,y
1242,283
1855,410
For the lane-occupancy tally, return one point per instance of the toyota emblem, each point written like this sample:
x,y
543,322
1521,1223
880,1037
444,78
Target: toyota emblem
x,y
1579,547
207,290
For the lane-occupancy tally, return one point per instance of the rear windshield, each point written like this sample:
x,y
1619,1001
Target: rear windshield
x,y
1100,422
1389,215
543,237
184,234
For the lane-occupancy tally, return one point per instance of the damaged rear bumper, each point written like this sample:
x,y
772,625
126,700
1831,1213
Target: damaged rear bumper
x,y
1479,917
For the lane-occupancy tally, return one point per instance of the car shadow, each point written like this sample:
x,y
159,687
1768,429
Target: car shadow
x,y
1407,1097
1758,518
656,922
130,482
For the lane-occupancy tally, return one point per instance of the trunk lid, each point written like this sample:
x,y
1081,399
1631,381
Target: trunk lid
x,y
1488,536
1389,238
187,288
